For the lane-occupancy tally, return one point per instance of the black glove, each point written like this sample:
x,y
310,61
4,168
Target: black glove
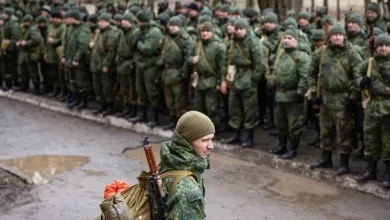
x,y
350,105
365,82
270,88
299,98
317,101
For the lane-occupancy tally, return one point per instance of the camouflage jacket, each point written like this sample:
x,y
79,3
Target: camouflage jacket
x,y
272,42
357,38
187,199
248,57
148,48
289,74
11,31
104,51
212,63
55,31
308,30
176,51
76,45
125,56
379,23
33,39
33,8
339,74
380,86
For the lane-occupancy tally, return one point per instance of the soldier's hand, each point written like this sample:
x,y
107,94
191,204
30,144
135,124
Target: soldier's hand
x,y
224,87
365,82
105,70
91,45
50,40
63,60
18,43
75,63
195,60
45,57
23,42
218,87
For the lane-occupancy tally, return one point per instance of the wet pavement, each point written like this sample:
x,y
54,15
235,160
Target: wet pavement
x,y
76,159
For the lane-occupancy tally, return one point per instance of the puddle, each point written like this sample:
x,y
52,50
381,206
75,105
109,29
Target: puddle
x,y
42,168
216,160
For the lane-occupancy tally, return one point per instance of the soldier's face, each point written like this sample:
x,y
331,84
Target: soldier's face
x,y
173,29
1,22
183,11
126,24
203,145
192,13
44,13
383,49
353,27
289,41
303,22
371,15
230,29
269,26
103,24
55,20
5,16
205,35
223,14
240,32
337,39
198,3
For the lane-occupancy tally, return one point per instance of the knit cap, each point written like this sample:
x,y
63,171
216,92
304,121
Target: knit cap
x,y
143,15
241,23
355,18
292,32
194,125
207,26
175,21
105,17
271,18
304,15
129,17
336,29
318,34
382,39
27,18
372,6
9,11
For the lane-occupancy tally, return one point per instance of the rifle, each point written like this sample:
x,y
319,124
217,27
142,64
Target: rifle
x,y
156,192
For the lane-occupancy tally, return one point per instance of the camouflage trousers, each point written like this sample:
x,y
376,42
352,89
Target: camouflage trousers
x,y
146,86
331,119
52,75
289,119
27,71
124,92
207,101
377,137
175,99
243,110
103,86
10,74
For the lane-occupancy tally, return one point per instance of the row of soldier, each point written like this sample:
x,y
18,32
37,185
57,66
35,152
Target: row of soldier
x,y
238,67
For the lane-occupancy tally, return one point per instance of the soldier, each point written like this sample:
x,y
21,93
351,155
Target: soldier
x,y
337,67
10,33
33,8
126,67
373,17
146,45
192,15
121,8
176,56
56,30
304,24
254,20
75,61
163,8
56,5
355,34
63,71
247,57
321,12
210,61
42,23
46,11
29,49
188,149
375,72
289,80
102,65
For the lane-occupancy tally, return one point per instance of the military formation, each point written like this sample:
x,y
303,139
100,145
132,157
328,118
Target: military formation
x,y
240,67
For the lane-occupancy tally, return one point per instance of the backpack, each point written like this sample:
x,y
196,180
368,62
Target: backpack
x,y
134,203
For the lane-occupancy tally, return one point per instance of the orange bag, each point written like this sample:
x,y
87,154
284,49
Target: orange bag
x,y
114,188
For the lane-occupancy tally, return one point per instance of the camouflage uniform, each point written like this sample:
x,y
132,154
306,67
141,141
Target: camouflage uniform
x,y
29,55
42,24
33,8
308,30
10,31
176,55
248,58
103,55
339,94
380,22
289,79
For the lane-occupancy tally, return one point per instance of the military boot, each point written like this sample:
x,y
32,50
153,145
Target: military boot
x,y
315,143
154,120
102,107
235,139
370,173
141,115
344,165
54,93
282,146
83,102
109,110
22,87
126,111
65,97
292,152
70,98
132,113
171,124
324,162
386,181
75,102
247,139
37,90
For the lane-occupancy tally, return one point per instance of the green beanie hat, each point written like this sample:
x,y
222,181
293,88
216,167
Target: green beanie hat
x,y
41,19
355,18
235,11
9,11
129,17
175,21
118,17
271,18
241,23
134,9
27,18
318,34
202,19
250,12
289,22
336,29
194,125
224,8
372,6
143,16
304,15
327,20
75,14
93,18
105,17
292,32
377,31
232,20
382,39
207,26
321,11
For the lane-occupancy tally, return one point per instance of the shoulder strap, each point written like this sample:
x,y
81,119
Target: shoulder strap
x,y
206,60
273,68
320,71
242,54
178,175
369,68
